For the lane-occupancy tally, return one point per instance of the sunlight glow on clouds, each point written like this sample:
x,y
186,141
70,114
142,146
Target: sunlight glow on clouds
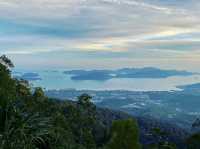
x,y
142,30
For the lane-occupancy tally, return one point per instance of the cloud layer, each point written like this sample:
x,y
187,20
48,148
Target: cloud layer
x,y
84,32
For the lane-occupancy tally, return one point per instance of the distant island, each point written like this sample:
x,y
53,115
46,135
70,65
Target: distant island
x,y
147,72
30,76
194,88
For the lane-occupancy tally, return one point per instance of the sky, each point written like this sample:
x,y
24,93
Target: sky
x,y
96,34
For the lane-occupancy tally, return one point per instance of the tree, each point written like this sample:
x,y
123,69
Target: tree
x,y
160,136
19,128
193,142
124,135
84,100
23,89
7,85
6,61
87,120
87,109
38,92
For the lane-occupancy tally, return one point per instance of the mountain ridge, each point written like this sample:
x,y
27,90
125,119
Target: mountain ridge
x,y
105,74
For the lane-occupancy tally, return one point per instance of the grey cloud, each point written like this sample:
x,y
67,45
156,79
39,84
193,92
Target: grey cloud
x,y
135,28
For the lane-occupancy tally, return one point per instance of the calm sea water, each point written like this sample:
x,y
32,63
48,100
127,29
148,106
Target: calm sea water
x,y
59,80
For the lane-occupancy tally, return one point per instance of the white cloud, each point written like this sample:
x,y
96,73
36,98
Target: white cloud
x,y
162,9
125,26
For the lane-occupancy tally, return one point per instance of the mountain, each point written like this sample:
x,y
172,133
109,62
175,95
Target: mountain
x,y
147,72
196,125
174,133
178,107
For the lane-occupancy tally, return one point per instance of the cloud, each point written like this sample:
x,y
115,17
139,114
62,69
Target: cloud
x,y
139,29
162,9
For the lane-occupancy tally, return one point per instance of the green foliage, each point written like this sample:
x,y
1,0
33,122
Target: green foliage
x,y
18,127
164,145
6,61
87,110
38,93
33,121
30,121
22,89
7,86
125,135
158,132
193,142
159,135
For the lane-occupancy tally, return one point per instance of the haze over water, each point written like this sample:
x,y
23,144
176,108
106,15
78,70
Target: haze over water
x,y
59,80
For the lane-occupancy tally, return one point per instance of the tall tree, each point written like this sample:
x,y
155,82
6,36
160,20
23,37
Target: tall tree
x,y
124,135
6,61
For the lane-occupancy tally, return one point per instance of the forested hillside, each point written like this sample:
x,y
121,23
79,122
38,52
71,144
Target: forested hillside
x,y
30,120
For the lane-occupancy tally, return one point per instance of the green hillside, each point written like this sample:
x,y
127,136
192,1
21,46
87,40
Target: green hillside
x,y
30,120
